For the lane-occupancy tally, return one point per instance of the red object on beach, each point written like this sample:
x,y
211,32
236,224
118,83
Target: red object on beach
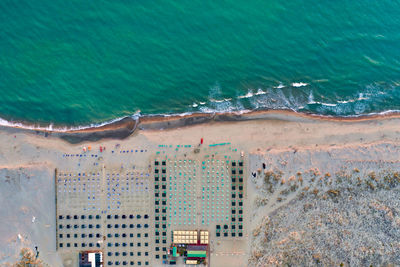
x,y
101,149
201,141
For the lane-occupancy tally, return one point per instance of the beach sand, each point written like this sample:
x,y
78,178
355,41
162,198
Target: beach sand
x,y
301,153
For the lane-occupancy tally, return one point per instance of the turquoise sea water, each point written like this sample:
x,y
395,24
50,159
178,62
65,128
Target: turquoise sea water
x,y
81,62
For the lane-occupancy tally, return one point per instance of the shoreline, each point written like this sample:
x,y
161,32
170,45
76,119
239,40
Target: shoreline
x,y
260,114
124,127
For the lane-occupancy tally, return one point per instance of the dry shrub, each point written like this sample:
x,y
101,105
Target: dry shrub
x,y
28,259
270,176
315,191
372,176
315,172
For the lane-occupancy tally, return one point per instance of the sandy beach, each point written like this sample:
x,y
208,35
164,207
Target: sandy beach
x,y
301,168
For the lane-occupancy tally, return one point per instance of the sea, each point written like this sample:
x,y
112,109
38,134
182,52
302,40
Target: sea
x,y
70,64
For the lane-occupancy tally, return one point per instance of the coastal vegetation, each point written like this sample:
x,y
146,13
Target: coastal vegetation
x,y
345,215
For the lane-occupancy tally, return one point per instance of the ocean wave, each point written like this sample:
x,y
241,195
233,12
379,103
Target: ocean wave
x,y
209,110
261,92
359,98
326,104
362,103
299,84
311,98
53,128
220,100
183,114
205,109
248,95
251,94
280,86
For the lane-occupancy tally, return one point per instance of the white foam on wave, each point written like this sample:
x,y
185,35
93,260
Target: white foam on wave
x,y
322,103
299,84
362,97
280,86
276,99
203,109
311,98
248,95
327,104
220,100
216,110
261,92
183,114
346,101
251,94
359,98
311,101
231,109
217,103
386,112
272,98
52,128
